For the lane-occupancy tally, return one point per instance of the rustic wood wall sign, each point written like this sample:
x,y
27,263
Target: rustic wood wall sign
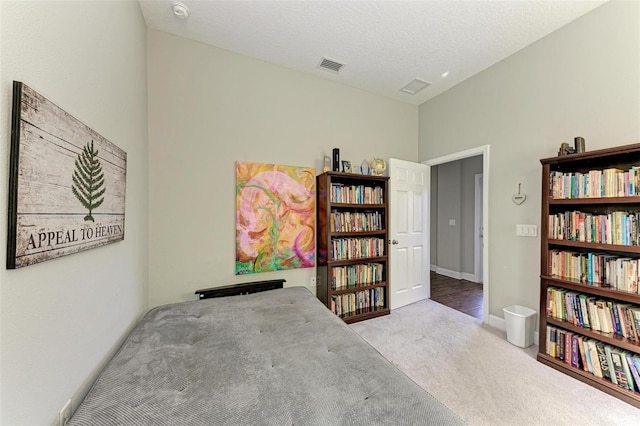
x,y
66,183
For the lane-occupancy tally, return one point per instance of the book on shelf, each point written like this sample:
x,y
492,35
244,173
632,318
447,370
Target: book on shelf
x,y
604,361
617,227
356,194
351,276
357,248
595,358
551,341
583,355
634,370
609,182
602,358
621,373
589,312
341,221
607,350
358,302
575,351
596,269
587,353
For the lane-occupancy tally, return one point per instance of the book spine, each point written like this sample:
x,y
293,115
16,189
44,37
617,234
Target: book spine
x,y
604,364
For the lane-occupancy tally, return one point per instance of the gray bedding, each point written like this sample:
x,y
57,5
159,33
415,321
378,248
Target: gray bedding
x,y
272,358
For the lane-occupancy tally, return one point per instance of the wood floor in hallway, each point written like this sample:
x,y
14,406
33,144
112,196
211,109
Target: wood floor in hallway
x,y
461,295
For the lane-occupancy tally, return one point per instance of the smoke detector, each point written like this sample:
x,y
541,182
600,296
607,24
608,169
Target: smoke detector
x,y
180,10
415,86
330,65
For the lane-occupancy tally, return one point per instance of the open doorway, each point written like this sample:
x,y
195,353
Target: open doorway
x,y
458,225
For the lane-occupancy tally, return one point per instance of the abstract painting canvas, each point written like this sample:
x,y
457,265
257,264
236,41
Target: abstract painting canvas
x,y
275,217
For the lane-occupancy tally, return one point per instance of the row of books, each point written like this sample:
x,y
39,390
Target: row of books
x,y
358,302
612,182
356,194
608,362
356,222
596,269
619,227
343,277
357,248
586,311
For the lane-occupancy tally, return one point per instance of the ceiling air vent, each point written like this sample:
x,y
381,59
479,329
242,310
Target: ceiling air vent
x,y
331,65
415,86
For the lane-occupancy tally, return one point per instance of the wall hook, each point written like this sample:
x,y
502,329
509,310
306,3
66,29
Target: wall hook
x,y
519,198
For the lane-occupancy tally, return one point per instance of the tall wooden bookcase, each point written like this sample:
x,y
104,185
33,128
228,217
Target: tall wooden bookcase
x,y
590,246
353,263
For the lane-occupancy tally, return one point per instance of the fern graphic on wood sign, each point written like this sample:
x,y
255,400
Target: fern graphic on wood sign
x,y
88,180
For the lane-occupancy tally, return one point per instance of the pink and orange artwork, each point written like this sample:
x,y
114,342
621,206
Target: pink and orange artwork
x,y
275,217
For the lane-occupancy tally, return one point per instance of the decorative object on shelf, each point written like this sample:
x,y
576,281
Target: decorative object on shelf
x,y
519,198
378,166
326,164
346,166
67,183
336,160
565,149
364,167
275,217
578,144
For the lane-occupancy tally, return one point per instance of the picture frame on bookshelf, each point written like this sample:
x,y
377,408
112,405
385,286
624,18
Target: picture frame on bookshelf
x,y
346,166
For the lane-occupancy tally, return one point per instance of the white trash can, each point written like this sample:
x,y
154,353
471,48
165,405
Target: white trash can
x,y
521,324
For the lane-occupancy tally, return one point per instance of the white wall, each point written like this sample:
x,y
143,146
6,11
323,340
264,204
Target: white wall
x,y
448,209
453,197
470,167
582,80
209,108
60,318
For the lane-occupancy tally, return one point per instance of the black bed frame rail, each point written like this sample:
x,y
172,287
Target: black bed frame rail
x,y
236,289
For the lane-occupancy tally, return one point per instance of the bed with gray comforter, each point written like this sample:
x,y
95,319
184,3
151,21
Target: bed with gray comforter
x,y
273,358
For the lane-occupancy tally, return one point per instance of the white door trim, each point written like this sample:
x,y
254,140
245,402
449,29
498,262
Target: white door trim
x,y
484,151
477,229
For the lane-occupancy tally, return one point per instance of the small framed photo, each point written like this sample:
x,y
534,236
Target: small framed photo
x,y
346,166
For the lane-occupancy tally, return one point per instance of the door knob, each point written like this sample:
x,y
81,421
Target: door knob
x,y
394,242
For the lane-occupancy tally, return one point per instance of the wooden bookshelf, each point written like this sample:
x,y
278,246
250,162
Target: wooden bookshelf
x,y
353,260
575,247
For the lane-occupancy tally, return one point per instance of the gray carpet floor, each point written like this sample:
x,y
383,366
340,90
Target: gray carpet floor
x,y
472,369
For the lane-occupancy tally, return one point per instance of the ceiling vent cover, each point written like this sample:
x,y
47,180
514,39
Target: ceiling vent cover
x,y
415,86
331,65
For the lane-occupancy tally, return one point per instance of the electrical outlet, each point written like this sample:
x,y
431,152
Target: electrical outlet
x,y
313,281
65,414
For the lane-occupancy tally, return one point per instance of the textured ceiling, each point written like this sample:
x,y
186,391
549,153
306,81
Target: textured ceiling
x,y
384,44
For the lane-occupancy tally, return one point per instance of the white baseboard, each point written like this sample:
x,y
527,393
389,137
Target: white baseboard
x,y
448,273
497,322
469,277
454,274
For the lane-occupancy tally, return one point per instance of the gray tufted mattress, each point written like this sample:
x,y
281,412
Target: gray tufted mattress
x,y
272,358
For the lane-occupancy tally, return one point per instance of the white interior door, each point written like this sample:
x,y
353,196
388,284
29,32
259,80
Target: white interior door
x,y
409,232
